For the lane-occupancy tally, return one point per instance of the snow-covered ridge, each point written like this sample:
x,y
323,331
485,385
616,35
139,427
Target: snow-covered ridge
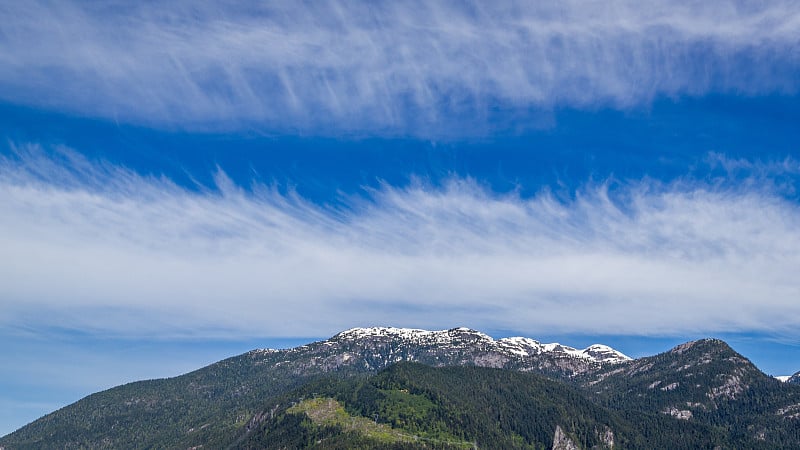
x,y
413,335
261,351
520,347
529,347
403,333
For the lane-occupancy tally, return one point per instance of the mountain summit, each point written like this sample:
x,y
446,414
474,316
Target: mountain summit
x,y
463,341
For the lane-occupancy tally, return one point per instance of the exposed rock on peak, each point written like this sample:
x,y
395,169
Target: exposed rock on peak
x,y
700,345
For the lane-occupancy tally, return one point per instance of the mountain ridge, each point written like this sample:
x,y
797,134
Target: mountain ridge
x,y
518,345
704,382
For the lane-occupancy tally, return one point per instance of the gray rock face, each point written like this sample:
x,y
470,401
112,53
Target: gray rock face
x,y
562,442
683,414
606,436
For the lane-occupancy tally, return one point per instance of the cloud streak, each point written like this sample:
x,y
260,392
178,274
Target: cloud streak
x,y
421,68
93,246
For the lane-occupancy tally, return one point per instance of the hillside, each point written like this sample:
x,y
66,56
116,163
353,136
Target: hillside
x,y
356,389
466,406
705,382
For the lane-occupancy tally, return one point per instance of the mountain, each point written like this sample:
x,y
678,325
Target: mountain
x,y
704,382
703,388
794,378
217,400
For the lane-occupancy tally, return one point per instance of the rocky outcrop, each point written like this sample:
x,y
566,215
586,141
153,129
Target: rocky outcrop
x,y
563,442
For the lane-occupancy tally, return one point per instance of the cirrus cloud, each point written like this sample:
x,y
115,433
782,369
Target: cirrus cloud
x,y
93,246
419,68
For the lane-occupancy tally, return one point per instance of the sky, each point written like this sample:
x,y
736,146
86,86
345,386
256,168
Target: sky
x,y
185,182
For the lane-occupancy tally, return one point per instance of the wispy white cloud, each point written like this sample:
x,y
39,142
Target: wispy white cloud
x,y
401,67
127,254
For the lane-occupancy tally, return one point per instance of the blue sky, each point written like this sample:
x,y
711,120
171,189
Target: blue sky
x,y
182,183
